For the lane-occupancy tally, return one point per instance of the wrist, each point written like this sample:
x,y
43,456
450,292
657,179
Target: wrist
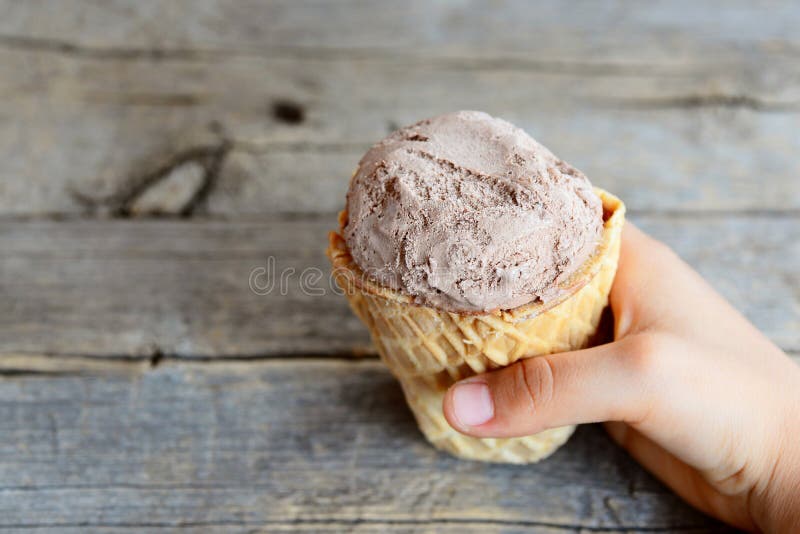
x,y
775,506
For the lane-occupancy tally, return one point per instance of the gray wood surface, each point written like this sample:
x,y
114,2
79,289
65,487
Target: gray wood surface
x,y
182,288
153,154
672,112
279,444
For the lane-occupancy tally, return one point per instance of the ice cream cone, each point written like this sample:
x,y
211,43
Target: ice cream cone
x,y
428,349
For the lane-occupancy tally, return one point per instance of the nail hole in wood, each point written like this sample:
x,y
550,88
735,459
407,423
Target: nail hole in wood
x,y
156,357
288,112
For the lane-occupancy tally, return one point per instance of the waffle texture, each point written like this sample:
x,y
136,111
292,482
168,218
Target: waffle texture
x,y
428,349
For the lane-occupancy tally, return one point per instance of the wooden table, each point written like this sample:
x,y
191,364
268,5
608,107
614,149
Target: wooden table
x,y
155,154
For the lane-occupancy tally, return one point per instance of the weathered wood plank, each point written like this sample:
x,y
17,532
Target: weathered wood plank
x,y
305,443
671,31
374,527
110,126
183,287
668,116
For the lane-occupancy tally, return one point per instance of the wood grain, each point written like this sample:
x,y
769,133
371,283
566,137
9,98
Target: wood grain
x,y
154,154
182,288
669,31
666,116
279,444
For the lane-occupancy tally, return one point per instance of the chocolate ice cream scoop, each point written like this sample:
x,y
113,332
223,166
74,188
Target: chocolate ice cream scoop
x,y
467,213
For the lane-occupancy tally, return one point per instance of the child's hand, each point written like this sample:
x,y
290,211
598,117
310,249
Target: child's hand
x,y
698,395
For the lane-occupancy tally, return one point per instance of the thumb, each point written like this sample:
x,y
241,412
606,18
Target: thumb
x,y
605,383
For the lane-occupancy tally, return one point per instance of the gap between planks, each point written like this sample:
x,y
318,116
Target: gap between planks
x,y
777,213
332,524
31,365
510,61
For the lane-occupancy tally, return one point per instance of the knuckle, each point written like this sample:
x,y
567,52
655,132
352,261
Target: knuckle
x,y
644,354
538,381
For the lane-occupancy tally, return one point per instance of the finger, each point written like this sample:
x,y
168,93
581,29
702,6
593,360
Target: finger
x,y
644,264
677,475
649,278
598,384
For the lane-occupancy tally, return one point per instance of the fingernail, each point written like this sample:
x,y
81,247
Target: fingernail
x,y
472,403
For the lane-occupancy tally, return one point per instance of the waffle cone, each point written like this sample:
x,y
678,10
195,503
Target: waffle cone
x,y
428,349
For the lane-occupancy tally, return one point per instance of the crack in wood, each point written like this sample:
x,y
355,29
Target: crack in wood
x,y
611,508
320,53
40,44
71,365
84,365
25,373
777,213
168,100
55,439
214,165
119,204
288,216
257,146
209,485
333,521
713,100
